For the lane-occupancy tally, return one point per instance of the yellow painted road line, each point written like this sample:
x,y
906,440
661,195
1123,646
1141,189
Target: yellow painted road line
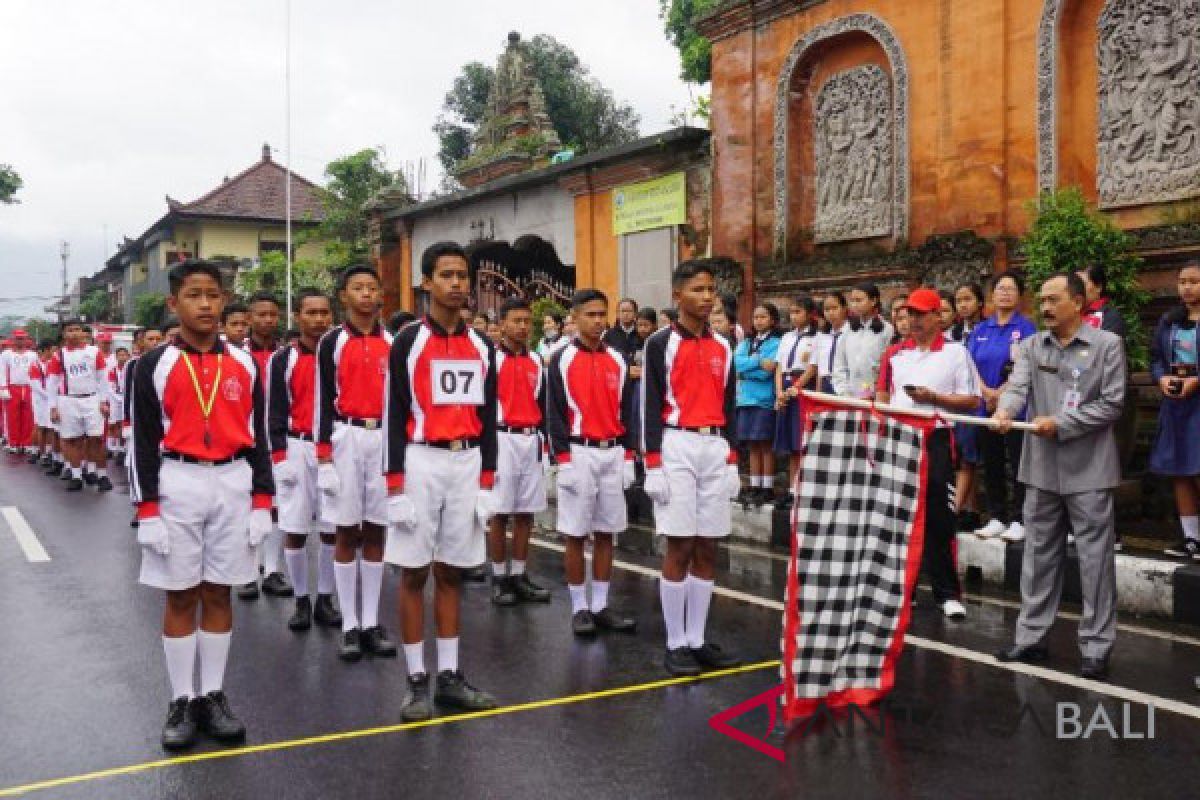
x,y
328,738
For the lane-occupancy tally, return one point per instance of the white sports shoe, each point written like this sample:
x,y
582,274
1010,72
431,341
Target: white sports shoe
x,y
1015,533
992,529
952,609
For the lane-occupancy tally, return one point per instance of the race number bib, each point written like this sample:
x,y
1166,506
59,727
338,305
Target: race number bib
x,y
457,383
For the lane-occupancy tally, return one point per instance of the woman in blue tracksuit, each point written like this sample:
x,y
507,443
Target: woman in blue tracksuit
x,y
993,345
755,360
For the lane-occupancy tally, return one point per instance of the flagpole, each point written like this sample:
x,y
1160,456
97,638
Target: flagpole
x,y
287,155
868,405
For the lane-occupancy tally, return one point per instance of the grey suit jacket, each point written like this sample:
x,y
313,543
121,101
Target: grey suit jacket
x,y
1083,456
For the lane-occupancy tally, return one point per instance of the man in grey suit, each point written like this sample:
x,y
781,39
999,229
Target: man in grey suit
x,y
1072,379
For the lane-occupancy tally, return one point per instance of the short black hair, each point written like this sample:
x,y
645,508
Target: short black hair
x,y
556,316
870,290
772,311
172,322
74,321
291,333
1011,274
629,300
263,296
44,344
149,328
584,296
438,250
688,270
838,297
1097,274
972,287
236,307
399,320
352,270
670,314
947,295
649,314
305,293
121,350
513,304
193,266
1075,286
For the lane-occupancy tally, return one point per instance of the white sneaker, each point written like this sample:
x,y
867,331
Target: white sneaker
x,y
1015,533
952,609
993,528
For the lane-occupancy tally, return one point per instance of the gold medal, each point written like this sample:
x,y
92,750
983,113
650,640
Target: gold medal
x,y
206,408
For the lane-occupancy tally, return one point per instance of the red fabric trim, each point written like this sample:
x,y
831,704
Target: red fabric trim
x,y
263,502
147,509
324,450
395,481
654,460
487,479
279,456
563,458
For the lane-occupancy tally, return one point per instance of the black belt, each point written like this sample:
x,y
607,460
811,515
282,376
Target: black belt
x,y
602,444
186,459
707,430
454,445
358,422
80,396
304,437
511,429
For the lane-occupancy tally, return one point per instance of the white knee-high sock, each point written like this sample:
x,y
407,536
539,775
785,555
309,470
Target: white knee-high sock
x,y
1191,527
599,596
325,569
271,547
673,595
214,652
414,658
181,664
372,586
297,564
699,595
578,597
447,652
346,577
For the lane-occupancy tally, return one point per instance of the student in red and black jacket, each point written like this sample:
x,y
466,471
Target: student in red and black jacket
x,y
200,474
587,420
689,400
441,446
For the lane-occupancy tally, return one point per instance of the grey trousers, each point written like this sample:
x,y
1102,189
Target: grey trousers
x,y
1092,520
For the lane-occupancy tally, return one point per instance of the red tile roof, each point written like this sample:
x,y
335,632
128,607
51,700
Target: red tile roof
x,y
257,193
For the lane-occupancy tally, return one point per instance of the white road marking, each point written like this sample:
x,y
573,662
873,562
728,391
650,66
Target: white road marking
x,y
987,659
34,552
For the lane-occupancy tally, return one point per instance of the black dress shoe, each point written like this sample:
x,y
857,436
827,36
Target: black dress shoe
x,y
1032,654
504,592
583,623
66,473
454,691
54,470
326,613
302,617
681,662
1094,668
277,585
90,478
416,707
180,730
215,718
351,648
33,458
475,574
74,485
377,642
610,620
711,656
104,484
530,592
133,523
248,591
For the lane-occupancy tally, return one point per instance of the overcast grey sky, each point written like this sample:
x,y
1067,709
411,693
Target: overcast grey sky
x,y
105,107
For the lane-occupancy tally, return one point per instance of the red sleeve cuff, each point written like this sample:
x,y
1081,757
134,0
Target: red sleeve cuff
x,y
629,455
562,458
279,456
487,479
262,502
395,481
733,457
653,460
324,450
148,509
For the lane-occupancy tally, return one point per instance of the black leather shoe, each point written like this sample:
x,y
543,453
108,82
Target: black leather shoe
x,y
711,656
326,613
133,523
610,620
681,663
302,617
180,730
104,484
74,485
65,474
1094,668
33,458
54,470
454,691
377,642
90,478
215,718
583,623
277,585
351,649
46,462
248,591
530,592
475,574
504,592
416,706
1033,654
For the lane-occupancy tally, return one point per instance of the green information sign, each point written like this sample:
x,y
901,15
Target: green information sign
x,y
651,204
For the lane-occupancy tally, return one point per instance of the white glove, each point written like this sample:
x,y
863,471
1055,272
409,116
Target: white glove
x,y
628,475
285,475
733,481
327,479
401,513
656,486
483,507
568,478
152,535
260,526
5,394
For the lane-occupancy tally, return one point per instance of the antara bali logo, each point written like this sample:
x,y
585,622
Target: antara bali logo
x,y
231,390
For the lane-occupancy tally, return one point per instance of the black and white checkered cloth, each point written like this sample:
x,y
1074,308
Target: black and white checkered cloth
x,y
856,515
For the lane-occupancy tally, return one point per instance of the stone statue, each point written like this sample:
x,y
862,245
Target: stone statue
x,y
1148,56
853,144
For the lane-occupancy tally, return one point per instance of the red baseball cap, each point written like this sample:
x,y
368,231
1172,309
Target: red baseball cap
x,y
924,301
20,333
104,336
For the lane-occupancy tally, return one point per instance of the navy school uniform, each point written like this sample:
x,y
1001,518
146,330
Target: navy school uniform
x,y
1176,450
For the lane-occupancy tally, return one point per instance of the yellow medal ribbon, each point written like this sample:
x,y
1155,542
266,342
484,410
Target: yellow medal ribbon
x,y
205,408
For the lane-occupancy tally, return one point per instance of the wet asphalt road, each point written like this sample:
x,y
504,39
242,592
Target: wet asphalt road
x,y
83,689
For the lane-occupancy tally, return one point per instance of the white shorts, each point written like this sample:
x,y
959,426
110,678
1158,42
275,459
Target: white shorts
x,y
80,416
207,513
443,486
520,474
41,413
694,465
599,505
299,505
358,459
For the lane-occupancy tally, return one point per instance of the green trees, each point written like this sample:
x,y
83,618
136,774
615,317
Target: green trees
x,y
695,52
95,306
10,184
150,309
352,181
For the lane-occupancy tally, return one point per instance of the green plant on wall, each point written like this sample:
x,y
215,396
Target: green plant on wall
x,y
150,309
540,308
1067,235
